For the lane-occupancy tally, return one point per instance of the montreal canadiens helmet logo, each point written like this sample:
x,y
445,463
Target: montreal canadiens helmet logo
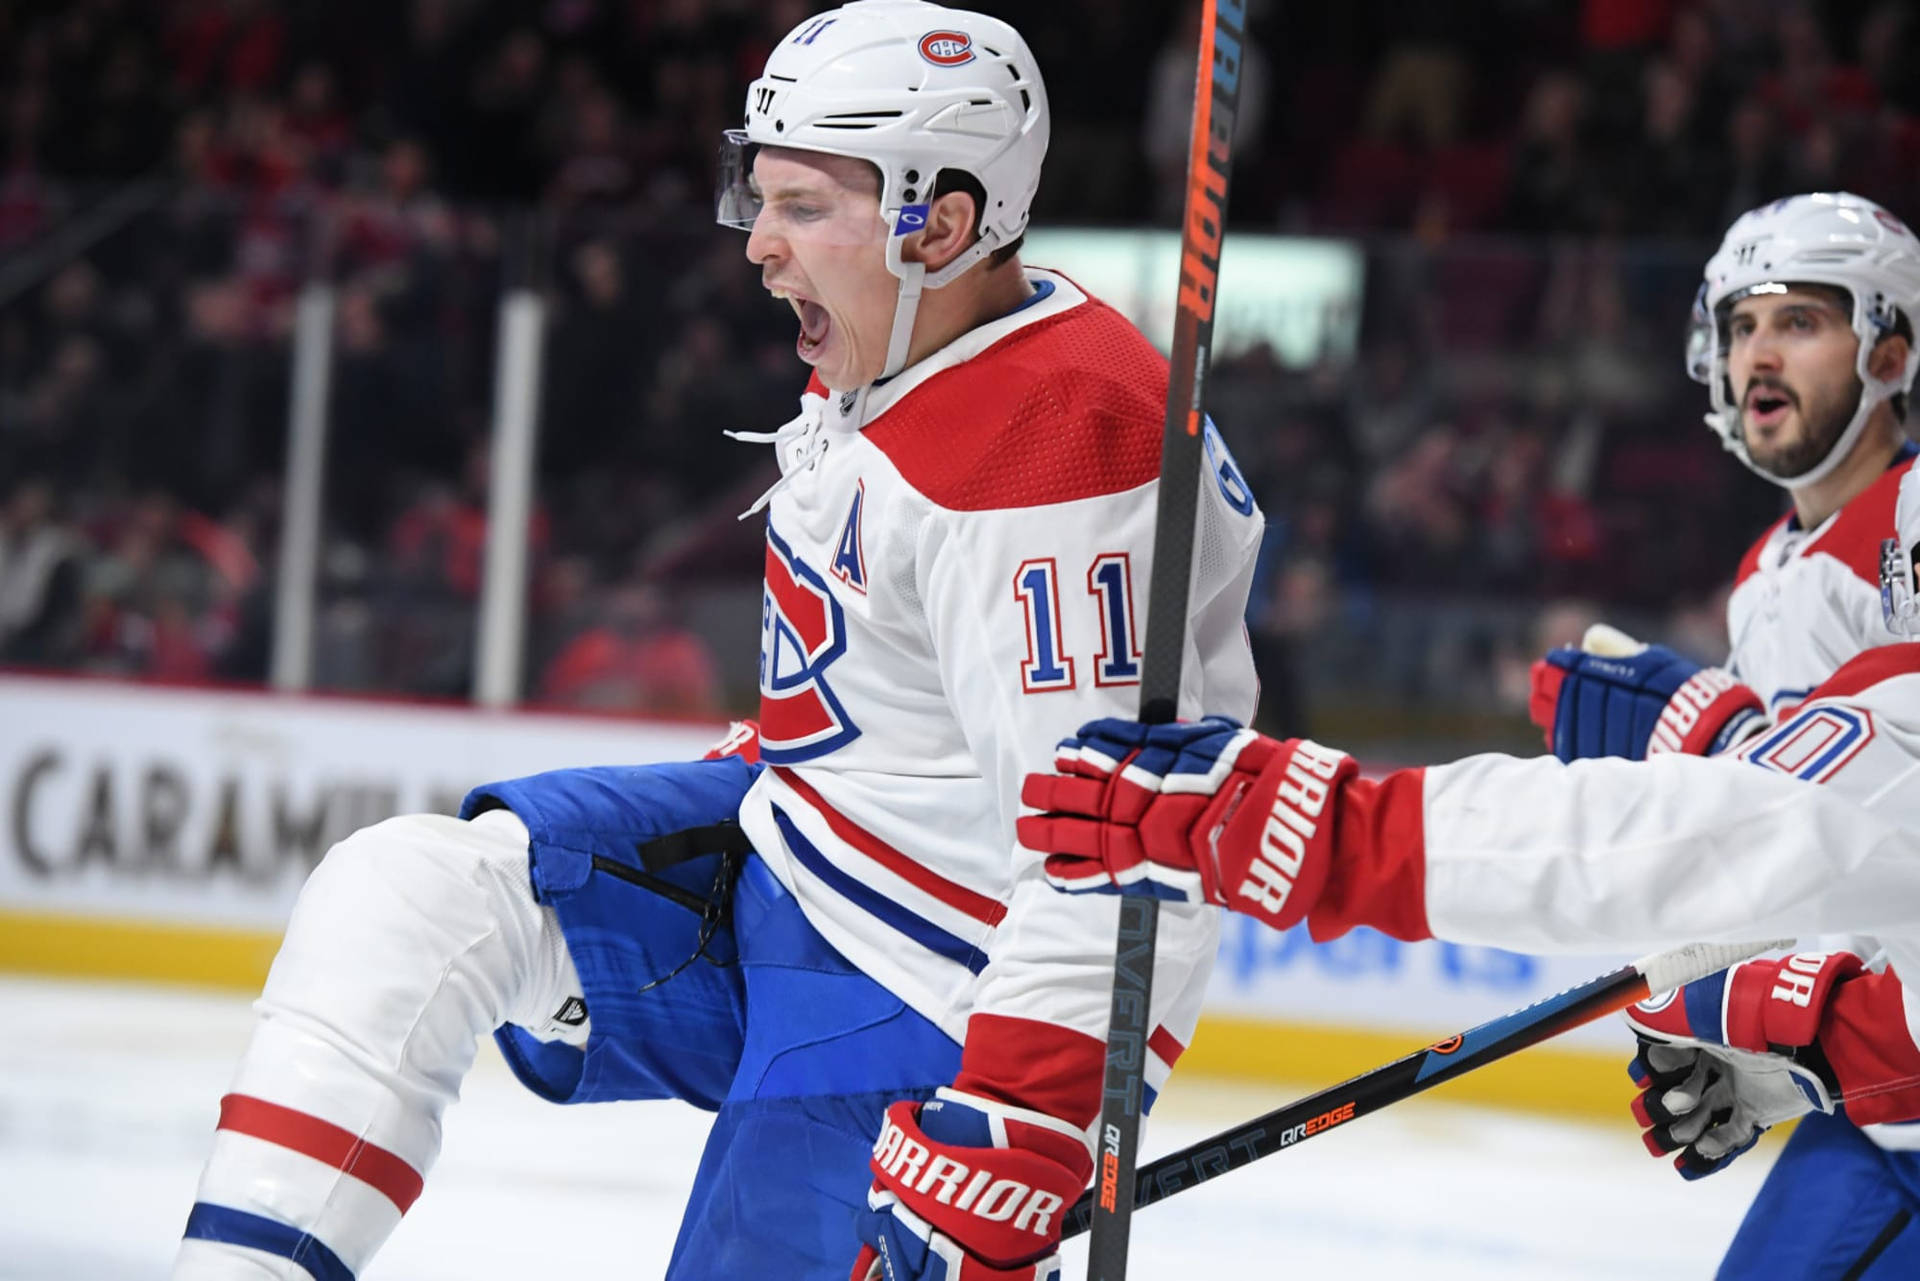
x,y
947,48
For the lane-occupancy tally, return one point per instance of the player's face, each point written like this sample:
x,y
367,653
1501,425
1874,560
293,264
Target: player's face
x,y
1790,357
820,243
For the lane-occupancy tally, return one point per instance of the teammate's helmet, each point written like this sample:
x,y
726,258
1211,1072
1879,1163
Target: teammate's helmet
x,y
913,88
1825,238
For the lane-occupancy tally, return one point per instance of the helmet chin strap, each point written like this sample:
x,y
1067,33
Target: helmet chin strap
x,y
914,277
905,308
1872,392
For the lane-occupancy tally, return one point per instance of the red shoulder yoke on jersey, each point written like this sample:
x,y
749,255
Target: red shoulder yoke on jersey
x,y
1854,537
1068,407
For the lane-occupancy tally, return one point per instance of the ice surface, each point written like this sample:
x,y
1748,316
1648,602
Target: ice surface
x,y
108,1097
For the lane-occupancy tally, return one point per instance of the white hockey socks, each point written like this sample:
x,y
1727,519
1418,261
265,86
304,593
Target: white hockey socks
x,y
412,939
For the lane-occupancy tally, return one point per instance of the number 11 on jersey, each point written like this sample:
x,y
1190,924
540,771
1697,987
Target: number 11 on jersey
x,y
1048,665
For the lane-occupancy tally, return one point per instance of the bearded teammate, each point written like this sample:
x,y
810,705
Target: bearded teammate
x,y
899,1024
1803,335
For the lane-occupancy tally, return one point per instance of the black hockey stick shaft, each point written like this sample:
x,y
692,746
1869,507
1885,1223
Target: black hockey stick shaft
x,y
1420,1071
1217,89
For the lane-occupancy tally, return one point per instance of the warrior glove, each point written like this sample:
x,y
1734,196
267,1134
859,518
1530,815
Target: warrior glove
x,y
1208,812
1722,1059
969,1189
1617,697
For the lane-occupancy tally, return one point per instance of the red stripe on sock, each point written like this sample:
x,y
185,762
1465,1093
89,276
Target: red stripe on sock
x,y
374,1166
1166,1045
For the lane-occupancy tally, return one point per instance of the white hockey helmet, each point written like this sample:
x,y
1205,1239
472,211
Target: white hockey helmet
x,y
913,88
1823,238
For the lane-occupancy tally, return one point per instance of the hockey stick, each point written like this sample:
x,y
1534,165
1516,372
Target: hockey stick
x,y
1222,30
1423,1069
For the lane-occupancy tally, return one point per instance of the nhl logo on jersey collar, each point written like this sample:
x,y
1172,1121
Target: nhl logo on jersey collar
x,y
947,48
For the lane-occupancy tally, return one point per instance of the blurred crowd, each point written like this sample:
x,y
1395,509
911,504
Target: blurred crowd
x,y
1535,183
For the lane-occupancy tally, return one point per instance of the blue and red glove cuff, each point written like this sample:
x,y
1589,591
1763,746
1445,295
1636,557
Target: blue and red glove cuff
x,y
1595,705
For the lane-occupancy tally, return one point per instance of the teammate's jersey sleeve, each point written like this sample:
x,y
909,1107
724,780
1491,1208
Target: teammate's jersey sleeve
x,y
1533,854
1812,827
1038,614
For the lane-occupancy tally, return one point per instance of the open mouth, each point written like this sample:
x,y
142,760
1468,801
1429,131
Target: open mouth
x,y
814,322
1767,406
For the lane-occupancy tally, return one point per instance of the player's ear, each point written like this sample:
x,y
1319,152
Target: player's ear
x,y
950,220
1889,357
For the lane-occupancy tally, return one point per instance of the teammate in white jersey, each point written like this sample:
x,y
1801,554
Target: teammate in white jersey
x,y
1543,856
1803,335
829,936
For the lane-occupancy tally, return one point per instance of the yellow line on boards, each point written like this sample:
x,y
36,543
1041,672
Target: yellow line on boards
x,y
1305,1057
96,947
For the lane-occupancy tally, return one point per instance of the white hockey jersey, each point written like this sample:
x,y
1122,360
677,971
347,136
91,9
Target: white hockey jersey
x,y
1807,600
957,570
1812,827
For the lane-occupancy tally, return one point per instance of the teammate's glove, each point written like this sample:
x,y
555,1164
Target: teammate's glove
x,y
1194,811
1722,1059
1617,697
969,1189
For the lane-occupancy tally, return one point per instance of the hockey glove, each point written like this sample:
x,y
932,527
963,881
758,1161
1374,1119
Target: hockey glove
x,y
1617,697
968,1189
1722,1059
1208,812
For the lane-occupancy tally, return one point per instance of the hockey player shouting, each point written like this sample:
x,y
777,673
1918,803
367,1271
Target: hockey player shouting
x,y
1803,335
899,1025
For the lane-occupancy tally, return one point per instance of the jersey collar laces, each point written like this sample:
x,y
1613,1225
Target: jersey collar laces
x,y
809,431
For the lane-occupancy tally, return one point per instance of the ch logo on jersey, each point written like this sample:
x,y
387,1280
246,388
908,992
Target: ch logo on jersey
x,y
850,557
803,632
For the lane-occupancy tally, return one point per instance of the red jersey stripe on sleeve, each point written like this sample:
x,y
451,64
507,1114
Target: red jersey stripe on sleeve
x,y
1043,1066
1867,669
325,1142
1166,1045
1871,1049
1030,1064
981,908
1383,881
